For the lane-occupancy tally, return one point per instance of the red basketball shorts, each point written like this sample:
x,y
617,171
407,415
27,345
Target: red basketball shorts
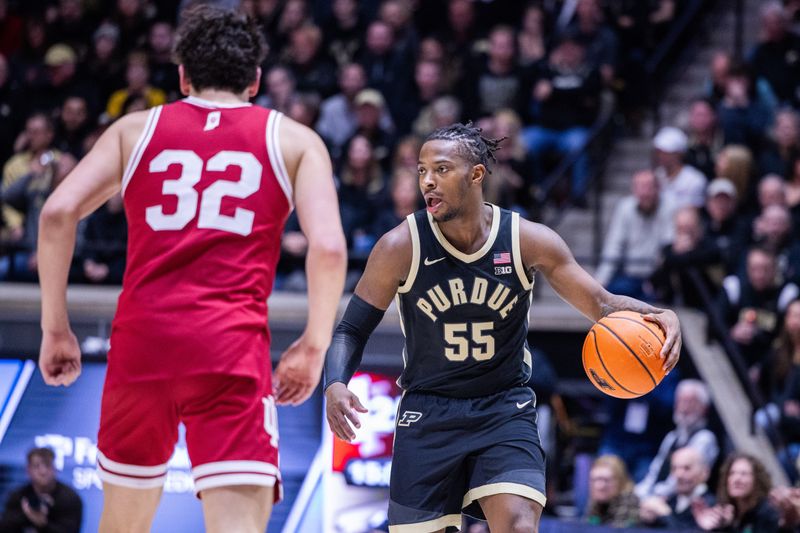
x,y
231,432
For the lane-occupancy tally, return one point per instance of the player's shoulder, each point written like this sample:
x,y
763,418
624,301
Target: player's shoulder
x,y
129,127
539,242
397,240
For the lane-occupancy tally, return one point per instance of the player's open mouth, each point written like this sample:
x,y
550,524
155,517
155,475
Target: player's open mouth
x,y
432,203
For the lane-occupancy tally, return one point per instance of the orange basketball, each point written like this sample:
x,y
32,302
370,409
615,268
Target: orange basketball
x,y
621,355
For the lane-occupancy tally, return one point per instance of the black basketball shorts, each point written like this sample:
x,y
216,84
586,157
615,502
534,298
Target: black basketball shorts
x,y
450,452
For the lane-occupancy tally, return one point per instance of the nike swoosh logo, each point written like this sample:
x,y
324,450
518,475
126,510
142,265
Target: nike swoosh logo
x,y
523,404
428,262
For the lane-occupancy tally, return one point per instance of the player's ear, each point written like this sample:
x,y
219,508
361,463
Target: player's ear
x,y
478,174
185,84
252,89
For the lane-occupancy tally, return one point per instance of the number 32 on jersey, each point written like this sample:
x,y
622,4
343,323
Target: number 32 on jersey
x,y
210,217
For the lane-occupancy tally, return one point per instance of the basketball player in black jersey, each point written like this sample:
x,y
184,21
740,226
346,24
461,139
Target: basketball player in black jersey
x,y
461,271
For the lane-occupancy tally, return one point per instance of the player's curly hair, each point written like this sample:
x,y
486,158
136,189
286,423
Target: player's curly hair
x,y
471,144
219,48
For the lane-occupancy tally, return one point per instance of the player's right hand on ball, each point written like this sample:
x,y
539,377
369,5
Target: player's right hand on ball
x,y
340,408
60,358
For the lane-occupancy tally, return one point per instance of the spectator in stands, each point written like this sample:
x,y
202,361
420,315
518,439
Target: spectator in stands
x,y
398,15
686,262
459,34
361,193
512,167
103,65
495,81
611,498
45,504
743,116
104,243
406,153
34,153
131,17
783,146
163,70
692,403
74,125
386,69
681,184
532,37
293,16
137,75
370,110
721,225
776,58
689,470
60,80
443,111
71,25
735,162
772,230
26,197
309,62
337,120
751,303
28,61
304,108
567,98
720,67
405,199
427,85
779,381
640,226
742,504
432,49
597,38
343,32
280,86
705,137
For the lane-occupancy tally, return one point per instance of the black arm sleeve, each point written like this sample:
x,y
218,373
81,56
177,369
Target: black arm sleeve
x,y
359,321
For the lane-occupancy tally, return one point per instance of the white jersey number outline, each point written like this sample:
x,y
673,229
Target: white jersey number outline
x,y
210,216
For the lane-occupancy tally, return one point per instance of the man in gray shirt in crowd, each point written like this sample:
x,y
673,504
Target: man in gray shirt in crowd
x,y
640,227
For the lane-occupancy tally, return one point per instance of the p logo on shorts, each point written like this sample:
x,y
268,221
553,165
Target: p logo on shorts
x,y
409,417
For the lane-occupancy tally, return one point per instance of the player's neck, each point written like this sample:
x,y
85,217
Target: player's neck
x,y
216,95
468,231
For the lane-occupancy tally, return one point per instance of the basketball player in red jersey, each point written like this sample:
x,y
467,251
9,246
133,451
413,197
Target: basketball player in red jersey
x,y
208,183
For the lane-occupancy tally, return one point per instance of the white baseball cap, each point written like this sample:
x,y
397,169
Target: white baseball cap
x,y
671,140
721,186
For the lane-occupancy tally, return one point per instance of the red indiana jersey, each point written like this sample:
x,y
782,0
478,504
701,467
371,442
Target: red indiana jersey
x,y
206,195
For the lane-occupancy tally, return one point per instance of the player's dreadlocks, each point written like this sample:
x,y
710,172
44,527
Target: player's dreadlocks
x,y
471,144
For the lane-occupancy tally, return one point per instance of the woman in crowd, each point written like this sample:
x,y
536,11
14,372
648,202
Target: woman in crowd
x,y
611,498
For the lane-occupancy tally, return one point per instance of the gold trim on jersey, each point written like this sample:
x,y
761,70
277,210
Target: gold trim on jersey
x,y
449,520
415,252
522,272
527,358
504,488
468,258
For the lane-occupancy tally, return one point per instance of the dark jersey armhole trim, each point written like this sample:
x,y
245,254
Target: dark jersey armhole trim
x,y
519,266
412,271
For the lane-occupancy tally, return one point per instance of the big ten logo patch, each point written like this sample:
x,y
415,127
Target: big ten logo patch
x,y
500,270
408,418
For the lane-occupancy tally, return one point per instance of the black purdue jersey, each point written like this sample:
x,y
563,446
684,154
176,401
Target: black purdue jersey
x,y
465,316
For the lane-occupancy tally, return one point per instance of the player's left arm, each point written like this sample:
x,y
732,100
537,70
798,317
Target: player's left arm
x,y
545,251
93,181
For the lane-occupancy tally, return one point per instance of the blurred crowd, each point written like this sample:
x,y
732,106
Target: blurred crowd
x,y
372,77
712,224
